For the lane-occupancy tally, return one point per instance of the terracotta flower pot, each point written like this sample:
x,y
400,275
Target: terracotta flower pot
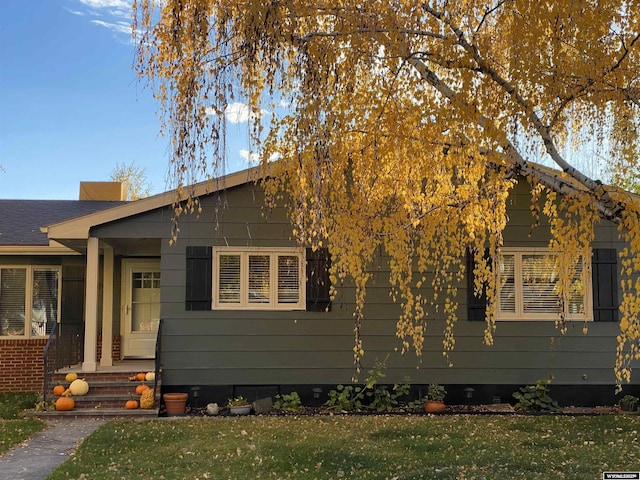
x,y
431,406
176,403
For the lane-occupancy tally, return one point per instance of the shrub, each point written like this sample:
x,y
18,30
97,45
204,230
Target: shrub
x,y
289,402
382,399
346,398
536,398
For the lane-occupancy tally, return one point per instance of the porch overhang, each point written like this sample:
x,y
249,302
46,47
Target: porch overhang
x,y
89,235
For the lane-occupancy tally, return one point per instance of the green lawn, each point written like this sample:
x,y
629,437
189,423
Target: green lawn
x,y
14,428
360,447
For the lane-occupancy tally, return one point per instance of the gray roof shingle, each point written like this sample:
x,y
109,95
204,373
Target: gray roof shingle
x,y
21,220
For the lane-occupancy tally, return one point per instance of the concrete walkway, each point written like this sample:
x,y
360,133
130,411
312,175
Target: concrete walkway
x,y
46,450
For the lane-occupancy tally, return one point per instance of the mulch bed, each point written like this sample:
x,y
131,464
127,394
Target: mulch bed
x,y
497,409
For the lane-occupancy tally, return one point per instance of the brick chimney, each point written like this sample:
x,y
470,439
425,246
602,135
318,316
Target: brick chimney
x,y
110,191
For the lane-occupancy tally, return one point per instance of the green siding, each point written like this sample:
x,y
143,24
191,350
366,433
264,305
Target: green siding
x,y
270,348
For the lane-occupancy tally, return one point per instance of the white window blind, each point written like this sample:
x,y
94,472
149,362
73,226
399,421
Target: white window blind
x,y
288,279
229,279
529,288
259,278
539,279
507,284
13,293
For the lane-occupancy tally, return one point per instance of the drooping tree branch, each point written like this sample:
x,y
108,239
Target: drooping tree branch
x,y
609,208
398,112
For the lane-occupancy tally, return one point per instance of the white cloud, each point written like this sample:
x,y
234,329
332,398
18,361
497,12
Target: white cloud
x,y
120,27
239,112
114,15
250,157
236,112
118,4
253,158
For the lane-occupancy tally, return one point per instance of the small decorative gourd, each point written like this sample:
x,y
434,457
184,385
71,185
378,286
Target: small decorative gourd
x,y
58,390
150,376
146,399
79,387
131,404
70,377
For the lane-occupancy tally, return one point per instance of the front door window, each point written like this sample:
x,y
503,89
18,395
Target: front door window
x,y
145,301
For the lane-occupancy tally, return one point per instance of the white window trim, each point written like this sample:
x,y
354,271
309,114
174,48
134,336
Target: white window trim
x,y
29,297
519,315
273,253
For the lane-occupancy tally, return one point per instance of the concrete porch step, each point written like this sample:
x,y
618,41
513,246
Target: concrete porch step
x,y
107,400
92,377
101,413
108,391
106,386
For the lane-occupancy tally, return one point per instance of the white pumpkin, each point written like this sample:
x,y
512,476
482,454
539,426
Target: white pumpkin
x,y
150,376
79,387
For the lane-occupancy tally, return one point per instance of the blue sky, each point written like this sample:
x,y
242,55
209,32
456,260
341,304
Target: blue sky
x,y
71,107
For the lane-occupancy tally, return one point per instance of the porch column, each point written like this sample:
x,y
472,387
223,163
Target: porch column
x,y
91,306
107,307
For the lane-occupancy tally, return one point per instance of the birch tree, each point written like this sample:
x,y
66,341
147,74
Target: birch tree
x,y
135,181
405,128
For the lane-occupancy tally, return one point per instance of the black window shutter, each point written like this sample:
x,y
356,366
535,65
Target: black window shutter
x,y
318,283
199,278
604,270
476,306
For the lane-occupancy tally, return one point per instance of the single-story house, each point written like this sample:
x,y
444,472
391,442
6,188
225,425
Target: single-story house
x,y
242,308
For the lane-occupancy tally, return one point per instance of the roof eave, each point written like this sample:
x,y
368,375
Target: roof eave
x,y
79,228
54,248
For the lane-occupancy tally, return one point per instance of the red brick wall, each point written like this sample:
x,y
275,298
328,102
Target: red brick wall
x,y
115,348
21,364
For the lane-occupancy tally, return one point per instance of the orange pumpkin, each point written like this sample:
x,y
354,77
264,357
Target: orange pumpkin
x,y
141,388
131,404
140,376
58,390
64,404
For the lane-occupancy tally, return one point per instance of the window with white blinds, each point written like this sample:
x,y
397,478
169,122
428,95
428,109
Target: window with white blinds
x,y
29,300
288,279
229,278
261,279
529,288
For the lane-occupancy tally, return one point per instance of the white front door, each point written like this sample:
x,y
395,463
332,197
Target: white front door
x,y
140,307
